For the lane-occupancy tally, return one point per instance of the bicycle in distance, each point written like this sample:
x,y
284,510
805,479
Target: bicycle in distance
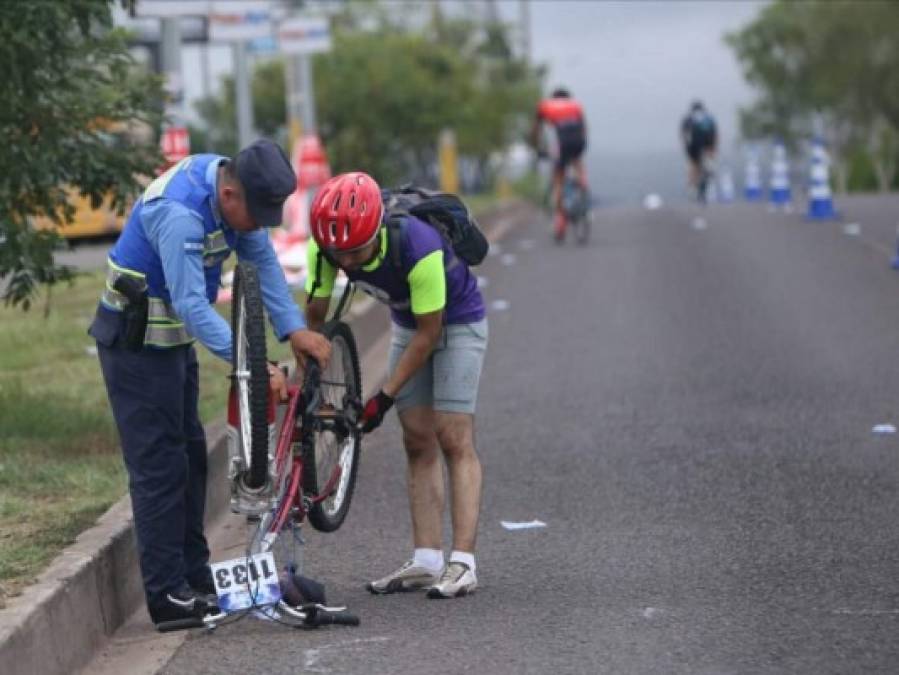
x,y
287,462
575,210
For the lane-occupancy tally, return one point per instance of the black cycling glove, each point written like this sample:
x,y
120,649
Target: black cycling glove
x,y
374,411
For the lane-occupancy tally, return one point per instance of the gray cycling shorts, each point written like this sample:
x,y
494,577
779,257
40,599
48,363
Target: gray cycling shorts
x,y
448,381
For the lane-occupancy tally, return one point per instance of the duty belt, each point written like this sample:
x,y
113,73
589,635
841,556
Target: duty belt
x,y
164,328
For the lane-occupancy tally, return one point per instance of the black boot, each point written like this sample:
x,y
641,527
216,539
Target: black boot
x,y
183,603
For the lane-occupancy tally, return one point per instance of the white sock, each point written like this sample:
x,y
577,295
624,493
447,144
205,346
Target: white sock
x,y
432,558
463,557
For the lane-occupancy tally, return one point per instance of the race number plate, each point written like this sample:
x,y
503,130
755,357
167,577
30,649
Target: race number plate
x,y
244,582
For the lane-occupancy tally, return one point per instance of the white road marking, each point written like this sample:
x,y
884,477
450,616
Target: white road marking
x,y
852,229
312,657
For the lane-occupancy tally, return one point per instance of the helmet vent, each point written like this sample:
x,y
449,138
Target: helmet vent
x,y
336,202
333,227
353,200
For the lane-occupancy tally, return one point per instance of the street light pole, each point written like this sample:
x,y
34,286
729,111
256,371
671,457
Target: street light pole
x,y
242,95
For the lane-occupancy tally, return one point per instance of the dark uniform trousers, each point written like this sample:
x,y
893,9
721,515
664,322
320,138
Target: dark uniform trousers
x,y
153,394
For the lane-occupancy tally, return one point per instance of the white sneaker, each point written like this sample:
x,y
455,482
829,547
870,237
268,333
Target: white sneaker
x,y
457,580
412,576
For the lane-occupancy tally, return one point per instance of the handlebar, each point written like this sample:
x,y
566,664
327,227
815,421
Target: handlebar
x,y
335,619
319,615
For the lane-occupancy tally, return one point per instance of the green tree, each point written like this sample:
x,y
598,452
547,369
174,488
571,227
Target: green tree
x,y
68,80
826,68
388,87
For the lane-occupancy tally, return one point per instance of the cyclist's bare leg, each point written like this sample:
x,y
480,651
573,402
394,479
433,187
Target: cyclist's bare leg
x,y
558,179
580,171
694,174
424,477
455,433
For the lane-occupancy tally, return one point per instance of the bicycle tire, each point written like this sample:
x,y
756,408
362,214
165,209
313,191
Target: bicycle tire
x,y
322,455
250,371
582,230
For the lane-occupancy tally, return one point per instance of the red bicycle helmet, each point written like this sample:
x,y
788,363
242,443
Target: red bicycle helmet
x,y
346,212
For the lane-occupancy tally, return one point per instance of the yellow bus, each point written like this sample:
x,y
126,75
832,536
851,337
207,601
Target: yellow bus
x,y
102,221
88,222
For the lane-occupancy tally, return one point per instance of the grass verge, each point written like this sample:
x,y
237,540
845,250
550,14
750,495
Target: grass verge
x,y
60,464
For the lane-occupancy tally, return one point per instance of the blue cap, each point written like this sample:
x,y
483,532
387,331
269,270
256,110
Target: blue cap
x,y
267,180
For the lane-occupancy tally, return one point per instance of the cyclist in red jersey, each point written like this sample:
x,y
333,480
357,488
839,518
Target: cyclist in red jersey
x,y
567,117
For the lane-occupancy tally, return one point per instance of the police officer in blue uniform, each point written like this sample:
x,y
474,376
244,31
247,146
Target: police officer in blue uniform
x,y
163,276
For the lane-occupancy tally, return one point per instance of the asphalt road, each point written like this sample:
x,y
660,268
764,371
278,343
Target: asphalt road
x,y
690,412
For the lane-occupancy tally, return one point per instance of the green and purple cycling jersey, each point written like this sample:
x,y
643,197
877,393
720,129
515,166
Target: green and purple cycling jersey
x,y
429,278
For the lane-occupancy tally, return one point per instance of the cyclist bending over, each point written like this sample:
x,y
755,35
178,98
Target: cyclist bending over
x,y
567,117
700,137
439,338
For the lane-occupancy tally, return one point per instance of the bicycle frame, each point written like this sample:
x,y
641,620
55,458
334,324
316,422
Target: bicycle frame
x,y
300,421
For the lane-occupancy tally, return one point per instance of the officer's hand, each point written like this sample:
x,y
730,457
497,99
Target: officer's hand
x,y
309,343
277,382
374,411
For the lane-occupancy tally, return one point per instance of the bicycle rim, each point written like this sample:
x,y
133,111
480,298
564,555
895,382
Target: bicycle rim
x,y
332,457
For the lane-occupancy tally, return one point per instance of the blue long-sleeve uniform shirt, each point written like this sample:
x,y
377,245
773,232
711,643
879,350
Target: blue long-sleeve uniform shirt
x,y
176,234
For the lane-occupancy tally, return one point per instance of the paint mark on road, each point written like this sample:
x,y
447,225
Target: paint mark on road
x,y
517,525
852,229
312,657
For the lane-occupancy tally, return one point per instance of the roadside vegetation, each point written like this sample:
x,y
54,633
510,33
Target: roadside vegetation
x,y
60,464
827,69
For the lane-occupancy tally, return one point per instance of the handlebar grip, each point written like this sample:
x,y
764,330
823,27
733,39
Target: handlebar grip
x,y
335,618
180,624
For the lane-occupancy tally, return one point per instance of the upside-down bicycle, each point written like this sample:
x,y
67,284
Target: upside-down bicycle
x,y
286,462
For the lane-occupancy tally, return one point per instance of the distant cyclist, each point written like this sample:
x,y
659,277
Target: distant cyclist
x,y
567,117
699,134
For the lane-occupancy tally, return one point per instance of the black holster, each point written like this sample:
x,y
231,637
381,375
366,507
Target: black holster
x,y
135,312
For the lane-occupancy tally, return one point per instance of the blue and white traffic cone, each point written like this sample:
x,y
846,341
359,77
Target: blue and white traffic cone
x,y
780,195
752,180
820,198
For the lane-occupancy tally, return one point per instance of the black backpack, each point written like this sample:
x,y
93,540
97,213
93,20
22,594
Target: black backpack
x,y
443,211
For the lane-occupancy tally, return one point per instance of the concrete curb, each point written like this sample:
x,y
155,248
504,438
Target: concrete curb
x,y
58,624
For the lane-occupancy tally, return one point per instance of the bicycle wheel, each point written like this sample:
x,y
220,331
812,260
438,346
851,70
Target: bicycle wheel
x,y
250,374
583,219
331,449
